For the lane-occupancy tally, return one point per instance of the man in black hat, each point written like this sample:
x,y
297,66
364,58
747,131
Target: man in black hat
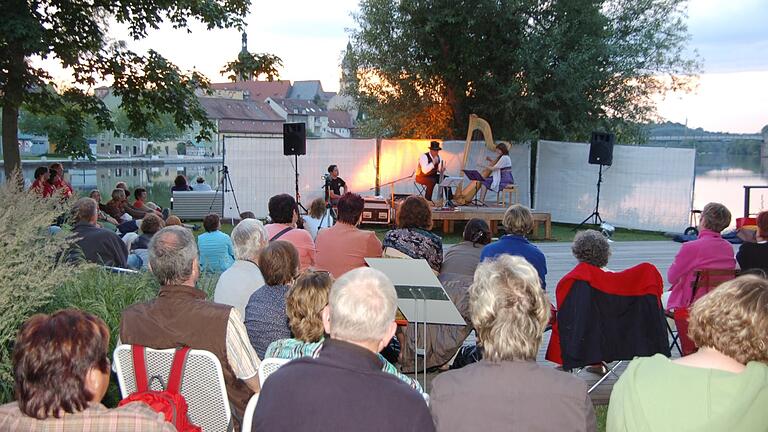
x,y
430,168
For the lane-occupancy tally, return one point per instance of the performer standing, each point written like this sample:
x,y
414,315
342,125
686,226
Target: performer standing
x,y
430,168
335,185
501,171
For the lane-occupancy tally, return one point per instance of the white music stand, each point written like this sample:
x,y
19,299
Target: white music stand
x,y
421,299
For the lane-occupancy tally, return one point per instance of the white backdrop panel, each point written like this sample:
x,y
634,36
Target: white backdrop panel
x,y
259,169
646,187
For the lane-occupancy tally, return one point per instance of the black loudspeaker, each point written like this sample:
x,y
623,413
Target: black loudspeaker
x,y
601,148
294,139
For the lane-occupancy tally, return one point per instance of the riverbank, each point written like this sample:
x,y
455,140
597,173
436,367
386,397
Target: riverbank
x,y
138,161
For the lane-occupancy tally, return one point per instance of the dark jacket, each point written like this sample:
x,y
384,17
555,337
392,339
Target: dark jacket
x,y
97,245
344,389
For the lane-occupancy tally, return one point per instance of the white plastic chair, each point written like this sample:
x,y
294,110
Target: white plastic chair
x,y
248,415
268,366
202,383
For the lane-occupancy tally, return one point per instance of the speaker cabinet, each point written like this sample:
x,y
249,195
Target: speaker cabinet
x,y
294,139
601,148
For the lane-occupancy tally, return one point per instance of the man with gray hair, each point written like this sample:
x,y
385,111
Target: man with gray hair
x,y
344,388
181,315
244,277
92,243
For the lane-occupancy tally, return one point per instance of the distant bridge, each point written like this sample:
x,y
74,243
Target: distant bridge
x,y
700,138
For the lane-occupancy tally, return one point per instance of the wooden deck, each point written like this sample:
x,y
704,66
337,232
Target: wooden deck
x,y
560,261
492,214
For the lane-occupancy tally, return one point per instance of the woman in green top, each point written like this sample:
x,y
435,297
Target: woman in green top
x,y
721,387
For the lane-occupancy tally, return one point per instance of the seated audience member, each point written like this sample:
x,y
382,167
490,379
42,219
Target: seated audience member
x,y
344,247
284,213
265,316
182,316
173,221
463,258
344,387
591,247
413,236
139,249
709,251
721,387
40,185
56,180
518,222
180,184
316,217
507,389
304,304
247,215
91,243
119,209
216,251
753,253
103,216
61,373
238,282
200,185
141,204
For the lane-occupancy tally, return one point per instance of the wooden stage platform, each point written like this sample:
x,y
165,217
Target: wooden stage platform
x,y
492,214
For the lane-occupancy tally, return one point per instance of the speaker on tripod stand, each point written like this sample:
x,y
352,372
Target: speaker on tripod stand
x,y
295,144
600,153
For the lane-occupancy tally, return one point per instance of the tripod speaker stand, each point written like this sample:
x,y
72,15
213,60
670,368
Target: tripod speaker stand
x,y
295,144
600,153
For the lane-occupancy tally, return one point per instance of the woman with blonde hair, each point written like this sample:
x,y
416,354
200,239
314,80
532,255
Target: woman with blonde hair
x,y
721,387
507,389
317,217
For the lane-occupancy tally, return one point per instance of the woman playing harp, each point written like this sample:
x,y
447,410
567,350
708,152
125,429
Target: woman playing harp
x,y
501,171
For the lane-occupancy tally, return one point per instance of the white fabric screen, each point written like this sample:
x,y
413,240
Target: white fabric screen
x,y
646,188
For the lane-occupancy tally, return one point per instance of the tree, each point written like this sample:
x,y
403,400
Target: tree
x,y
161,128
251,66
74,32
555,69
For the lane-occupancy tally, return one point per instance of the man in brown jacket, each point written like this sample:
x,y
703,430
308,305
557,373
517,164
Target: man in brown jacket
x,y
181,315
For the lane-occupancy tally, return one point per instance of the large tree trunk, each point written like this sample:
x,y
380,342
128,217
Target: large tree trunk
x,y
14,93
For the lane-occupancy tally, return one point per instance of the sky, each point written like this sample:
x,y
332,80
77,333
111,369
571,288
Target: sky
x,y
730,36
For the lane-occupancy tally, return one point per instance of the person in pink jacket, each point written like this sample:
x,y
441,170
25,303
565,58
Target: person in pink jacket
x,y
709,251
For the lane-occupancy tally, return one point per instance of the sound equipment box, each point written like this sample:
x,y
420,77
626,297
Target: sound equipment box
x,y
294,139
601,148
376,211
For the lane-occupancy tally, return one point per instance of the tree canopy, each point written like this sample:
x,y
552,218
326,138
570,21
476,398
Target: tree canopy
x,y
252,66
554,69
74,33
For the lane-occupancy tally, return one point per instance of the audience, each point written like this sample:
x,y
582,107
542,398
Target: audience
x,y
721,387
57,182
463,257
238,282
180,184
216,251
173,221
40,185
753,253
91,243
141,204
518,222
413,237
507,389
316,218
303,305
200,185
139,256
344,388
103,216
61,373
119,208
247,215
182,316
344,247
591,247
284,213
708,251
265,316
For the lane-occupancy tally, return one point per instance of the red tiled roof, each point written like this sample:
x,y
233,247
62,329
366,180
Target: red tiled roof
x,y
257,90
250,126
222,108
339,119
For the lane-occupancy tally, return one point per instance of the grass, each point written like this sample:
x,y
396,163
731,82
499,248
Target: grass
x,y
601,412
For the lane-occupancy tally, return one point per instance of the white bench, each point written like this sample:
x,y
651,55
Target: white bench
x,y
196,205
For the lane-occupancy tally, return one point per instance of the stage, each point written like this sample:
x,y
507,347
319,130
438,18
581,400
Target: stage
x,y
492,214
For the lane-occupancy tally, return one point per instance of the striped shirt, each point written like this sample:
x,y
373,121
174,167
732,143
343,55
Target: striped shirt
x,y
128,418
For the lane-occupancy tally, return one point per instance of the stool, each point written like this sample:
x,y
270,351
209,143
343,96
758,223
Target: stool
x,y
505,196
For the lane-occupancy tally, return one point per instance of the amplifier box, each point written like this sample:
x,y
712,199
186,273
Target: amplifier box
x,y
376,211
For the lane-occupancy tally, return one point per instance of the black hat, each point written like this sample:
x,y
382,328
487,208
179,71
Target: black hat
x,y
434,145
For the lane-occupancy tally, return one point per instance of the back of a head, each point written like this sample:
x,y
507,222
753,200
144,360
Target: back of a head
x,y
84,210
279,262
762,224
247,215
151,223
248,238
200,180
118,194
518,220
172,255
40,171
508,308
51,358
304,303
211,222
733,319
477,232
591,247
138,192
317,208
715,217
350,207
281,208
414,212
172,220
180,181
362,306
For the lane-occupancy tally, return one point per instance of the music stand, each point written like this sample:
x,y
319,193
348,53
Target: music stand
x,y
475,176
421,299
448,183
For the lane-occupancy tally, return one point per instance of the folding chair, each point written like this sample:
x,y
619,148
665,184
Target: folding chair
x,y
705,281
248,414
268,366
202,384
606,318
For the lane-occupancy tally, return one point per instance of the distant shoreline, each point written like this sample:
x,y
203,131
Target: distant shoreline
x,y
138,161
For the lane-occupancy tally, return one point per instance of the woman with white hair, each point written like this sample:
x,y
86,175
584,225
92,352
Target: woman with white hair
x,y
507,389
244,277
